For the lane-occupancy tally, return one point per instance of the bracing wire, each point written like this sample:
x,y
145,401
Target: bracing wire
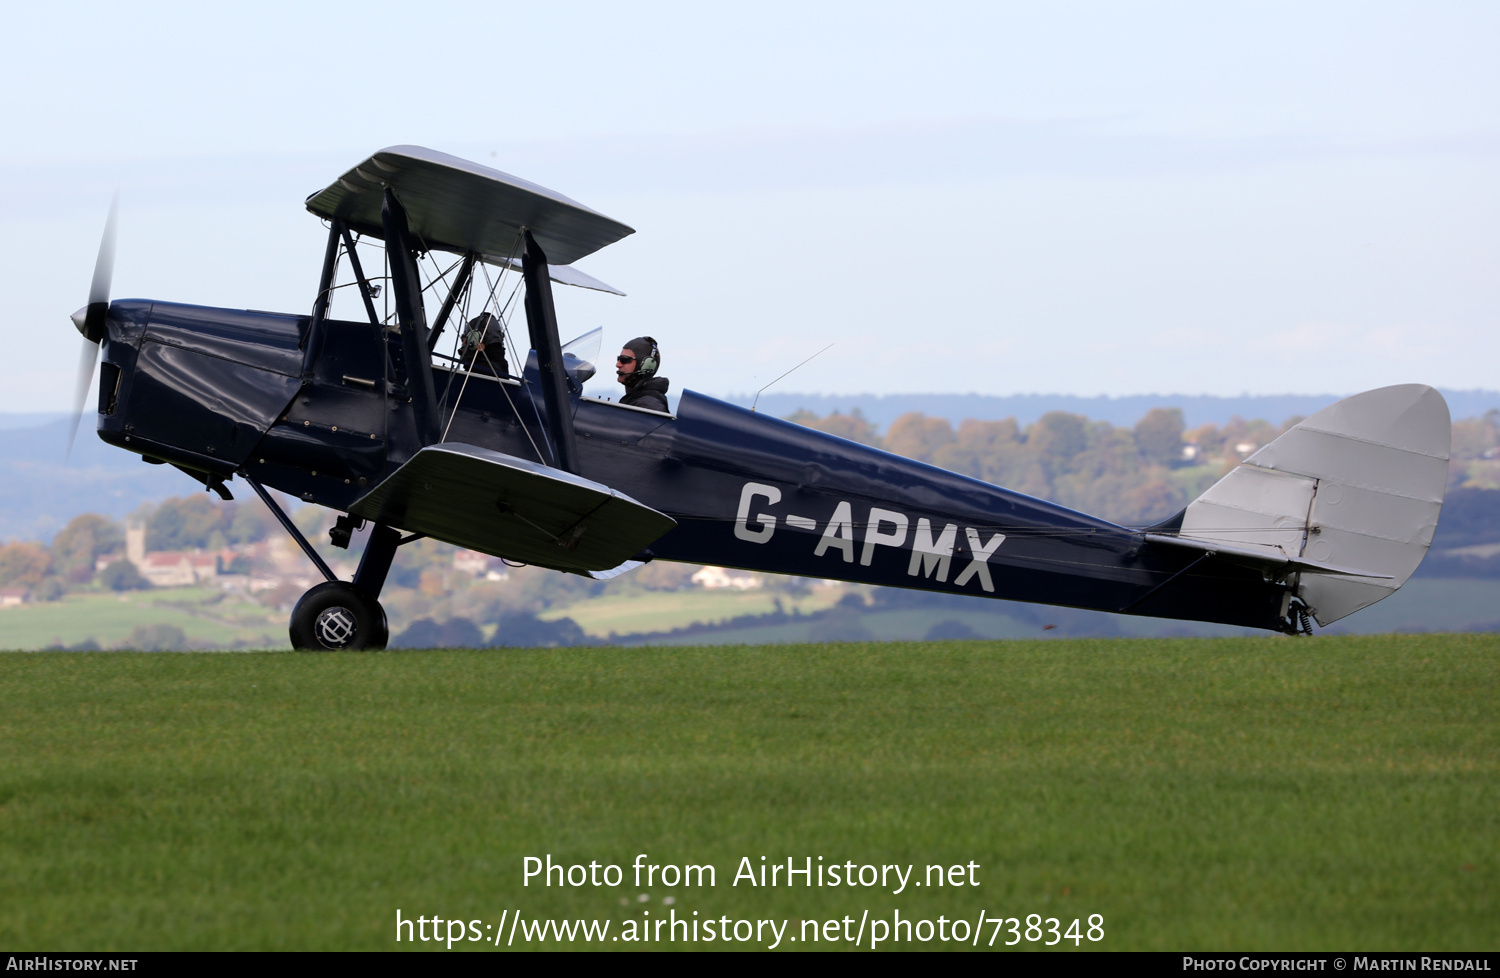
x,y
501,314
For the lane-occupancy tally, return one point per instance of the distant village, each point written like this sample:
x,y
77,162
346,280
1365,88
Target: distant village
x,y
233,566
262,562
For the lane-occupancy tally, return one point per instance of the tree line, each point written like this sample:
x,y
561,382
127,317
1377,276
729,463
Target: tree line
x,y
1137,475
1134,476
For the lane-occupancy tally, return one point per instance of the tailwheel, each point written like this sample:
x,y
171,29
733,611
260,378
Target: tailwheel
x,y
336,616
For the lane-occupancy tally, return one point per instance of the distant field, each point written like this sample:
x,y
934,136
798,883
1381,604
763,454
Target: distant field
x,y
207,614
225,619
1421,605
908,626
1431,604
984,618
1228,793
657,611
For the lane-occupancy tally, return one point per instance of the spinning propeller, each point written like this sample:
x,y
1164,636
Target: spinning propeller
x,y
90,320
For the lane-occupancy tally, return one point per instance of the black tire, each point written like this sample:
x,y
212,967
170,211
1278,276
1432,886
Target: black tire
x,y
336,616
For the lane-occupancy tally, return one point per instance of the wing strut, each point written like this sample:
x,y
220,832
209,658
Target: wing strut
x,y
459,284
541,321
407,286
312,340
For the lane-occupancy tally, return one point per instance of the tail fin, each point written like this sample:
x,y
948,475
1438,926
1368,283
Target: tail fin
x,y
1357,487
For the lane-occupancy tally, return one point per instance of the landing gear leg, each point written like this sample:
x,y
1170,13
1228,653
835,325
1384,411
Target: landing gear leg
x,y
380,550
337,615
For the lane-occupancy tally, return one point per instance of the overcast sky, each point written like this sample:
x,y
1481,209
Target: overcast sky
x,y
992,198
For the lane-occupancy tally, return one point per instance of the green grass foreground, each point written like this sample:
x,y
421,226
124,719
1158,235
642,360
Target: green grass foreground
x,y
1198,793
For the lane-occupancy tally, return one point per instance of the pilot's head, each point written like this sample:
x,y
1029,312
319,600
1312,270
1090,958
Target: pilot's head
x,y
484,330
638,360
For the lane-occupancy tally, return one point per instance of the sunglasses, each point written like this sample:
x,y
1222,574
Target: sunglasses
x,y
624,359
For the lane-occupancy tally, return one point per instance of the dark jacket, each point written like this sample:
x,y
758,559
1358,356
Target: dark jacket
x,y
485,331
649,393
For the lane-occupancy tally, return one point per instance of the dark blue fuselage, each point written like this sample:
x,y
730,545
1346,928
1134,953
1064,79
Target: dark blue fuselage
x,y
215,391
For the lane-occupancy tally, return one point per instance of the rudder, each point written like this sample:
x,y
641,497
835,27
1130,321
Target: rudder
x,y
1359,485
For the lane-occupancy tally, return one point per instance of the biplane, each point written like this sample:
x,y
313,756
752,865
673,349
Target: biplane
x,y
367,416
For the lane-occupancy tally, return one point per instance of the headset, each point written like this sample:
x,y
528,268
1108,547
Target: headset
x,y
647,367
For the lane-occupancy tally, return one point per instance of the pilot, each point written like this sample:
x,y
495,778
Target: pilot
x,y
483,348
636,368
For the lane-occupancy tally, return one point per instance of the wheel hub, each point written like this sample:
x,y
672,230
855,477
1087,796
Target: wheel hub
x,y
336,627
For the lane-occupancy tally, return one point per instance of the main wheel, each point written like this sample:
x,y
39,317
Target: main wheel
x,y
336,616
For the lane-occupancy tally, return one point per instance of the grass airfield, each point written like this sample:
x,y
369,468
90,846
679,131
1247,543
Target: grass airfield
x,y
1334,792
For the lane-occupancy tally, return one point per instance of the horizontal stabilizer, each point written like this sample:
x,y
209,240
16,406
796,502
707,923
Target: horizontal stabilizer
x,y
508,507
454,205
1349,499
1261,557
614,572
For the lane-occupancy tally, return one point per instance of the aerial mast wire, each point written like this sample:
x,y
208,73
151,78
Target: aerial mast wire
x,y
799,366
